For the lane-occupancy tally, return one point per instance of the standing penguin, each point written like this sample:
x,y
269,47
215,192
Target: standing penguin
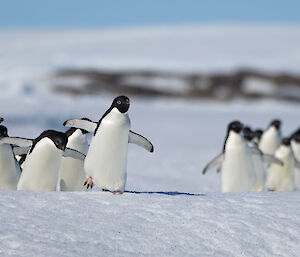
x,y
257,136
71,172
43,159
295,144
271,138
257,161
9,168
106,161
281,178
237,169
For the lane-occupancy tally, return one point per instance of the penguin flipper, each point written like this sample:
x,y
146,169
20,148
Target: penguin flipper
x,y
89,126
137,139
268,158
255,150
215,161
18,141
73,154
297,164
18,150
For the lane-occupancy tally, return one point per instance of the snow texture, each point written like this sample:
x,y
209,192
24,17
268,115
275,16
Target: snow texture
x,y
101,224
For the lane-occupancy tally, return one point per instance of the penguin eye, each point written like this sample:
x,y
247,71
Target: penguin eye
x,y
118,102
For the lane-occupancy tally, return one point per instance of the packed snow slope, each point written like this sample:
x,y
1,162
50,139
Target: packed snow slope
x,y
101,224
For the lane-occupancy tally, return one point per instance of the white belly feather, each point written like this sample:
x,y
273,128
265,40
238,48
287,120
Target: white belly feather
x,y
71,173
106,160
270,141
237,168
280,178
9,174
296,149
40,170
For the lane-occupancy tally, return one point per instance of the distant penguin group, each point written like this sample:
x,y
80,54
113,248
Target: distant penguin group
x,y
258,160
64,161
57,161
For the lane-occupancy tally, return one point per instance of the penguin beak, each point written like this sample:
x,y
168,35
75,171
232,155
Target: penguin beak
x,y
62,147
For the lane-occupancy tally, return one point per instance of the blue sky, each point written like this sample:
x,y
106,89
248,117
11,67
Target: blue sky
x,y
87,13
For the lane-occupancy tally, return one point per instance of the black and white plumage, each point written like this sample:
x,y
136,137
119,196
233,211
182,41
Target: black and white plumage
x,y
9,167
106,161
71,172
281,178
43,159
237,170
271,138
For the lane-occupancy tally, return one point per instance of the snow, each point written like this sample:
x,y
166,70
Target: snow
x,y
100,224
259,86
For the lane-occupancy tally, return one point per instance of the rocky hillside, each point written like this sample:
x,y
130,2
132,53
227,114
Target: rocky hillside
x,y
249,84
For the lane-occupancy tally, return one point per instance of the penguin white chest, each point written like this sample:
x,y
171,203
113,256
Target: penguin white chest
x,y
9,175
71,173
106,160
281,178
296,149
237,167
270,141
41,167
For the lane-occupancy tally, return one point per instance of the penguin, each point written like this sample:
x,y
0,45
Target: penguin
x,y
71,172
9,168
259,168
295,144
106,160
281,178
1,119
237,169
257,136
271,138
42,162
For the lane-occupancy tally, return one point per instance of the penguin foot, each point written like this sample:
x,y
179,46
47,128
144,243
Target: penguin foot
x,y
118,192
89,182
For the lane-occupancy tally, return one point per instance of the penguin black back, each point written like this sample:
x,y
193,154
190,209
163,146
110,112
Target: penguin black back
x,y
60,139
3,131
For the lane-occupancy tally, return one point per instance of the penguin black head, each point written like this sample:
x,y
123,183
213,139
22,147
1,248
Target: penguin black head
x,y
286,141
59,139
248,134
235,126
70,131
258,133
3,131
296,132
296,137
121,103
276,123
1,119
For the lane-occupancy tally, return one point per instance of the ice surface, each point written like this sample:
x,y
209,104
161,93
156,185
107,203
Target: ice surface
x,y
101,224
